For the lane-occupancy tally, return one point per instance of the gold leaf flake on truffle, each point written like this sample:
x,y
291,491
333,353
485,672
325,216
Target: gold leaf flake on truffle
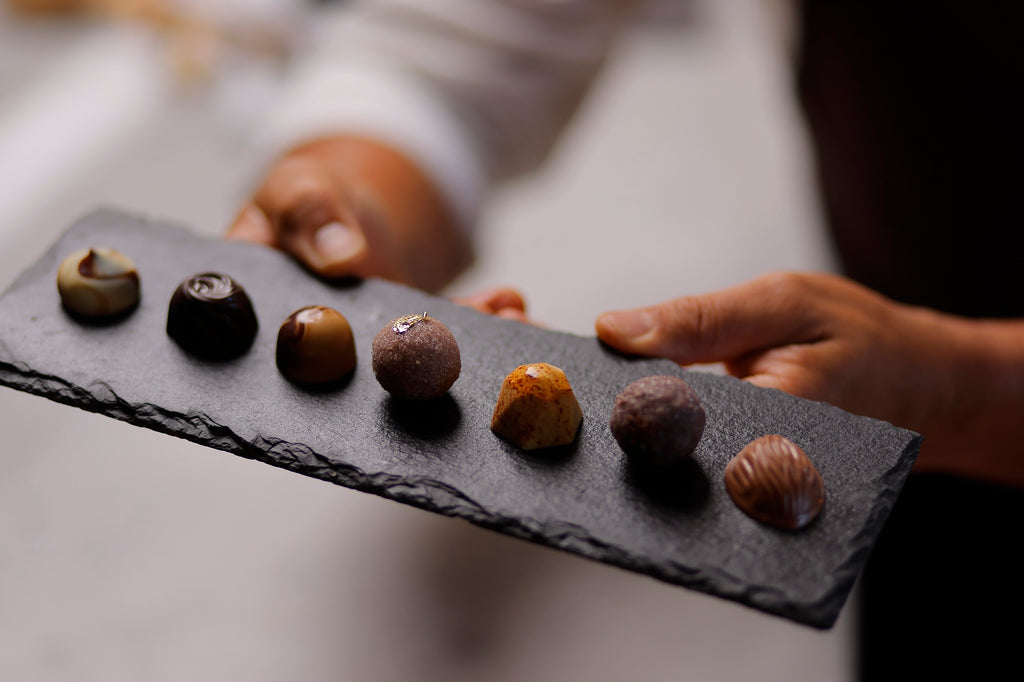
x,y
404,324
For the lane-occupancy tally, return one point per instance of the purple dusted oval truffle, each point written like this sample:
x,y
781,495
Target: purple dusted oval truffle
x,y
658,420
211,316
416,357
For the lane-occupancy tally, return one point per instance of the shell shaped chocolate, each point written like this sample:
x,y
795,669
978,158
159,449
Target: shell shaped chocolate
x,y
315,345
98,282
773,481
211,316
416,357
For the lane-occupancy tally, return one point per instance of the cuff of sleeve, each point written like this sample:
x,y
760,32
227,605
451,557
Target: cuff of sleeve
x,y
387,105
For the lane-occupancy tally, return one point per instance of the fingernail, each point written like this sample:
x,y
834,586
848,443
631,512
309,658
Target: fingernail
x,y
629,325
335,242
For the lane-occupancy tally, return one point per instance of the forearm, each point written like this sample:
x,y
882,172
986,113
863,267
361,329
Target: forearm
x,y
402,117
975,428
473,91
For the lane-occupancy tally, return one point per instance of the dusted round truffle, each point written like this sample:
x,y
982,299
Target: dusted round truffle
x,y
416,357
658,420
211,316
773,481
98,282
315,346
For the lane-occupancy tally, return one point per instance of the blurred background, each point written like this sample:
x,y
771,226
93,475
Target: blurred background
x,y
128,555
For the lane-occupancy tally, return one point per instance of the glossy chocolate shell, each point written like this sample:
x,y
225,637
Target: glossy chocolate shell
x,y
98,282
211,316
774,481
315,345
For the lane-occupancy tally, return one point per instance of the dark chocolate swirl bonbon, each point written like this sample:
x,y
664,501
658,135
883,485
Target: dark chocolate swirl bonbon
x,y
211,316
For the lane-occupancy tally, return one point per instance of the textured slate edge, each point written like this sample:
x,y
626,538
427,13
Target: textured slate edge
x,y
446,500
829,607
301,459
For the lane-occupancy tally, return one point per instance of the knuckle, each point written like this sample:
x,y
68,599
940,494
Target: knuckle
x,y
788,285
297,196
796,296
689,324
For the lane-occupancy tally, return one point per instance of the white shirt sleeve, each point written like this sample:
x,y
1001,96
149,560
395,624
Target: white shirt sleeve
x,y
473,91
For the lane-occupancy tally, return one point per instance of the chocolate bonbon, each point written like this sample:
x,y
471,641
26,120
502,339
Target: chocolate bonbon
x,y
537,408
658,420
98,282
211,316
315,345
416,357
774,481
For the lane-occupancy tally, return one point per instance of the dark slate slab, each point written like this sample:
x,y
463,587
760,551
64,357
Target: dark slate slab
x,y
682,529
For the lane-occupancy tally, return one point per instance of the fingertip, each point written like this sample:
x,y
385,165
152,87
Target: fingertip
x,y
516,314
762,380
625,329
503,299
251,225
506,298
495,301
332,250
603,327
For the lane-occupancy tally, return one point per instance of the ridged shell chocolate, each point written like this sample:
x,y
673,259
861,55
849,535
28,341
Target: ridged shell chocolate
x,y
774,481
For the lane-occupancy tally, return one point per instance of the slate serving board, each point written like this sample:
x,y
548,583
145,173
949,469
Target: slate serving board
x,y
681,528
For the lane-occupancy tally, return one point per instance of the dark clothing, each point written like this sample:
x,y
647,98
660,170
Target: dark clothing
x,y
916,112
941,596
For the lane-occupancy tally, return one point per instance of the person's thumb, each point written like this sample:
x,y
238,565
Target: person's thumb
x,y
334,249
308,219
714,327
314,228
641,331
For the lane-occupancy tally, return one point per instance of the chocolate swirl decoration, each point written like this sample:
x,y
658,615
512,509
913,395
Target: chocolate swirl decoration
x,y
773,481
211,316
